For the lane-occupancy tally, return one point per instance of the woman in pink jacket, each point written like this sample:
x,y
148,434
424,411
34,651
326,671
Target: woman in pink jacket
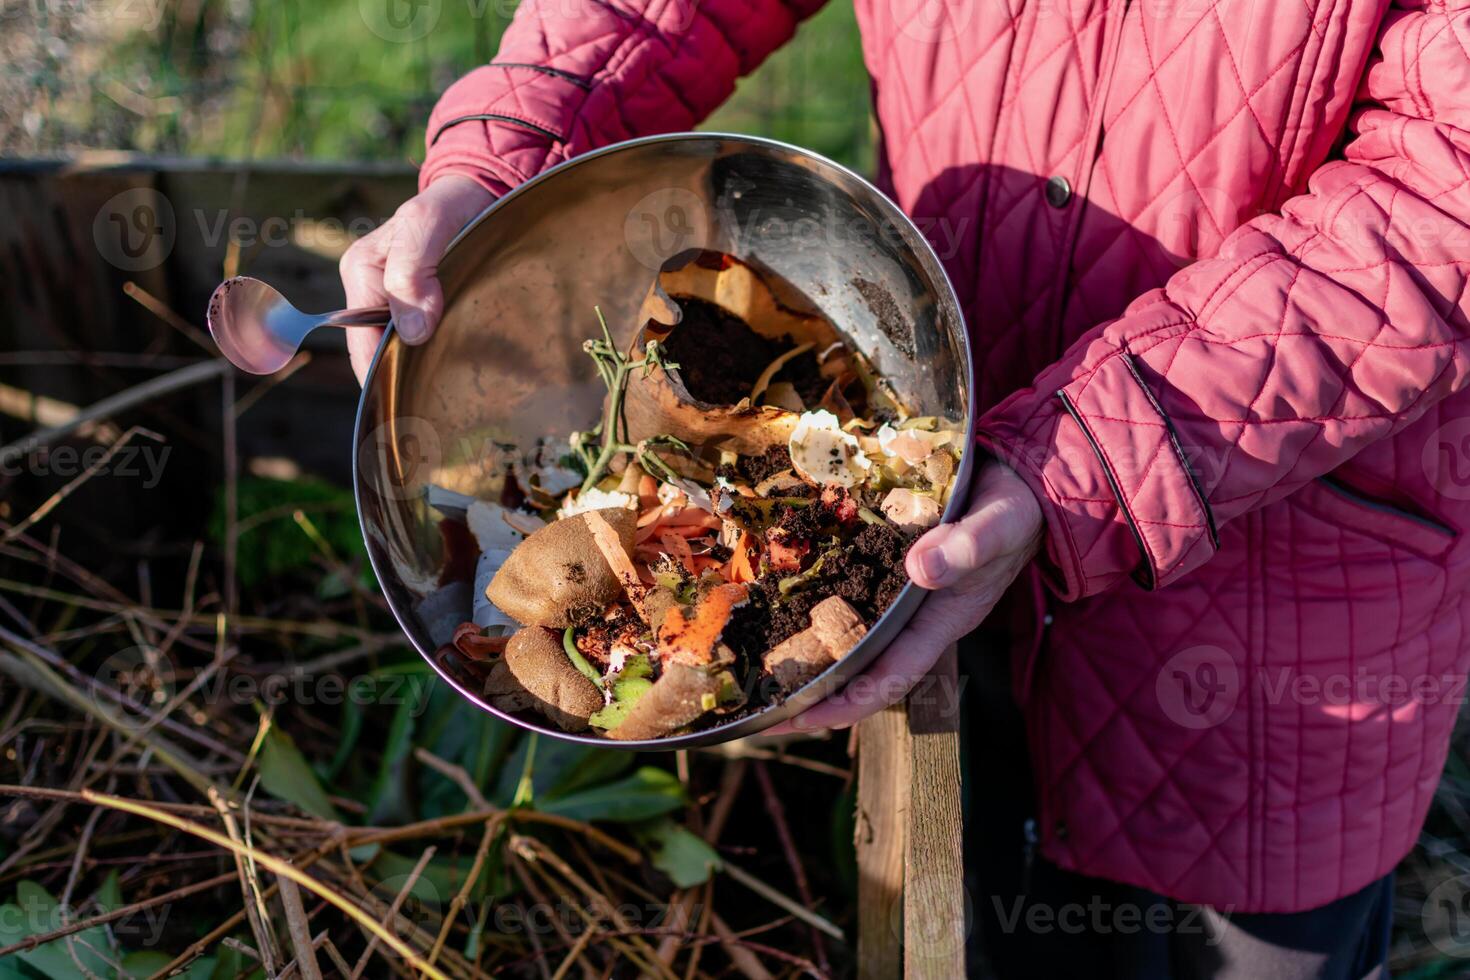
x,y
1213,258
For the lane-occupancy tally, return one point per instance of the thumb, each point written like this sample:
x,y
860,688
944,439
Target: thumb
x,y
951,553
1003,517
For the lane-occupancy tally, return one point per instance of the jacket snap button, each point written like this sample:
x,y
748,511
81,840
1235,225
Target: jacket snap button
x,y
1058,192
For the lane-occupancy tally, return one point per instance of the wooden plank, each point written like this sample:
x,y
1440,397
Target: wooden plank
x,y
934,897
883,764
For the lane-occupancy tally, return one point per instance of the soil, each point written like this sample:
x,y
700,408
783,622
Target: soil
x,y
867,571
720,357
891,321
596,640
753,469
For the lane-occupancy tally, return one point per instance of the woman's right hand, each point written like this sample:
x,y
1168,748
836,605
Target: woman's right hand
x,y
398,263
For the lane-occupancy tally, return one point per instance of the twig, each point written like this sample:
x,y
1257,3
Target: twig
x,y
314,824
534,851
740,750
456,904
299,929
403,893
53,501
54,660
121,912
318,941
424,828
744,959
456,773
731,779
255,394
166,313
271,863
255,909
518,868
187,768
781,901
793,857
232,490
106,408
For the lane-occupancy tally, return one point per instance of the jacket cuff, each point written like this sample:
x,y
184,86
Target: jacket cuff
x,y
1114,482
501,124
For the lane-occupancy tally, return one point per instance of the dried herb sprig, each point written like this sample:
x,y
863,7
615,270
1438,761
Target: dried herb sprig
x,y
600,445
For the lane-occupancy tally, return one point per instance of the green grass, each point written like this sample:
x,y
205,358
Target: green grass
x,y
315,81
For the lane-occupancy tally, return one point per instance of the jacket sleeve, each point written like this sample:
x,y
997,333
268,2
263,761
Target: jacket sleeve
x,y
573,75
1312,333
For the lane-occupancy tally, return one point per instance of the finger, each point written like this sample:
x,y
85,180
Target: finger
x,y
361,269
362,345
996,523
940,622
950,553
410,275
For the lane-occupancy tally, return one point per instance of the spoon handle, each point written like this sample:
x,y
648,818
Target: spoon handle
x,y
362,316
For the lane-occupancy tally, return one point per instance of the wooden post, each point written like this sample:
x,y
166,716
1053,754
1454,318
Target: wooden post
x,y
911,896
880,836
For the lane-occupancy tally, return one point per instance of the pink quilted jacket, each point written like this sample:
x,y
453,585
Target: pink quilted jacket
x,y
1213,256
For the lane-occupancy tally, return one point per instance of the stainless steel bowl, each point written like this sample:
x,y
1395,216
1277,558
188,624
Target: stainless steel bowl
x,y
506,367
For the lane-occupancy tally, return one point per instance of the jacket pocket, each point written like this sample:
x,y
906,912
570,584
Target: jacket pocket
x,y
1342,505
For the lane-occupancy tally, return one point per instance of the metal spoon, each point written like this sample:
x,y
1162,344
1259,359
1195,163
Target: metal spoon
x,y
260,331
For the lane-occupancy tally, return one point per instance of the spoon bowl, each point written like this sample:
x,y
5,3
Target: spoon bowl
x,y
259,331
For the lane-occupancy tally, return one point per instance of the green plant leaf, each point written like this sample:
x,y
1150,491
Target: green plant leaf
x,y
34,912
561,768
678,852
109,895
388,799
286,775
647,792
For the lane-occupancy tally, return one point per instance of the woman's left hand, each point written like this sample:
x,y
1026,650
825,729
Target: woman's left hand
x,y
969,564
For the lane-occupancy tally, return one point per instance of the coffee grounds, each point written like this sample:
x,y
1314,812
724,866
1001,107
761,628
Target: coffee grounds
x,y
867,571
754,469
720,357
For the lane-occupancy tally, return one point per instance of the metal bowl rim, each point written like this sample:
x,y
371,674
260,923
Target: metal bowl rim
x,y
958,498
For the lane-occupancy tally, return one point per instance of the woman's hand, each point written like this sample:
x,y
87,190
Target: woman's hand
x,y
969,564
397,264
